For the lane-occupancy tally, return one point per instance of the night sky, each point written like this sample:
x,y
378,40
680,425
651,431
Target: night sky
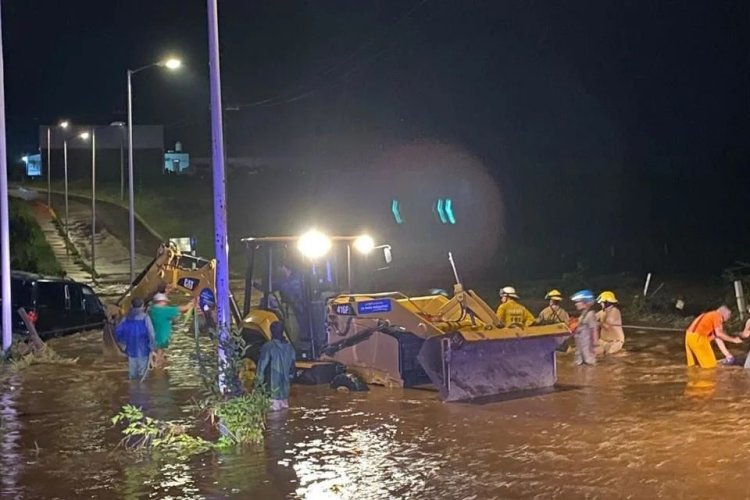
x,y
627,95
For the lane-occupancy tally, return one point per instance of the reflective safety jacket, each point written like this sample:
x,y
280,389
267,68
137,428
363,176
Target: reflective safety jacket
x,y
550,316
512,312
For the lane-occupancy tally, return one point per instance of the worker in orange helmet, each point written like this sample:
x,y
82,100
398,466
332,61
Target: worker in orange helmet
x,y
510,312
705,328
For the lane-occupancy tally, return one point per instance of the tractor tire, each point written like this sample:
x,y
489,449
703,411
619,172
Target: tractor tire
x,y
348,382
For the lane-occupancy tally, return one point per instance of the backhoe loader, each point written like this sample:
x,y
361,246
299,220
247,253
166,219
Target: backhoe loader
x,y
193,276
456,344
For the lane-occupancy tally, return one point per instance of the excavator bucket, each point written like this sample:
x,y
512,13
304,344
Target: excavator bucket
x,y
467,365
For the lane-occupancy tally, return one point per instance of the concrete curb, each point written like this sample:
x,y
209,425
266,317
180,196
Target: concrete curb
x,y
140,219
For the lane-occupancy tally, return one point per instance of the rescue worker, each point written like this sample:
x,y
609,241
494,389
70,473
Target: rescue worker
x,y
137,333
746,334
553,313
611,335
290,286
511,312
585,331
162,315
705,328
276,367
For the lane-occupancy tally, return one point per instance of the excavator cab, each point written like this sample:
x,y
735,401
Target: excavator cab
x,y
283,283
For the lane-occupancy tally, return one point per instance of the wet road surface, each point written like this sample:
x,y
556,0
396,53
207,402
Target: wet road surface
x,y
639,425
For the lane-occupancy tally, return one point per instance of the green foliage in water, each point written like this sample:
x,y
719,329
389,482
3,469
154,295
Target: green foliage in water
x,y
242,419
239,416
142,432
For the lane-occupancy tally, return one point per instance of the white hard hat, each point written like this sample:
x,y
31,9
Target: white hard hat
x,y
160,297
509,291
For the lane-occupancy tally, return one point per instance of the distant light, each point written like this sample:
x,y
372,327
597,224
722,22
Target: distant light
x,y
172,64
396,212
449,211
441,211
25,159
118,124
364,244
314,244
85,136
64,124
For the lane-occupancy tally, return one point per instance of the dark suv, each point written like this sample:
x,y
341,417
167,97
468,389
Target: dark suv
x,y
61,305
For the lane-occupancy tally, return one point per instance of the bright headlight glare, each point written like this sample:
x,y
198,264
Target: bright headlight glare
x,y
364,244
314,244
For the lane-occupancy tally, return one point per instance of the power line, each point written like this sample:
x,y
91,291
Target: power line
x,y
281,99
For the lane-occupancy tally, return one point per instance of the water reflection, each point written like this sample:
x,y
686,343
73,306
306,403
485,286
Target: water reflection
x,y
637,424
10,433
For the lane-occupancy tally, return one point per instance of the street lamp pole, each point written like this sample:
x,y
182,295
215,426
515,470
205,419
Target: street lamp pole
x,y
122,169
93,205
49,169
65,168
171,64
221,243
4,224
131,196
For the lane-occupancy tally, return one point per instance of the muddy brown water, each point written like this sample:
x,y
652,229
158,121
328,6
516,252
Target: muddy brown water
x,y
638,425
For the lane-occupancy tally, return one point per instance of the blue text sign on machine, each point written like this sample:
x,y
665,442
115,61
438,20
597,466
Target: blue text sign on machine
x,y
374,306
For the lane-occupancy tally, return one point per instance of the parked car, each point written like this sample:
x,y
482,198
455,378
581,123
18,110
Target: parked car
x,y
60,305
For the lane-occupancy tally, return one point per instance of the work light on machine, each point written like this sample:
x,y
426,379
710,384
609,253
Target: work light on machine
x,y
314,244
364,244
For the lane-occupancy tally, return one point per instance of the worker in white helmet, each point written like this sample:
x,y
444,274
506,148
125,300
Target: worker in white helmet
x,y
611,334
510,311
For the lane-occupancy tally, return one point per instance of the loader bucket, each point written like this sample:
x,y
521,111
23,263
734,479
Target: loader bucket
x,y
464,369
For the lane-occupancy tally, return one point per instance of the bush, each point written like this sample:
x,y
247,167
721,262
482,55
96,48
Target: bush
x,y
29,250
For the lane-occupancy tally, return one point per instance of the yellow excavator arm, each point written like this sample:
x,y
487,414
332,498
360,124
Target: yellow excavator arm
x,y
189,275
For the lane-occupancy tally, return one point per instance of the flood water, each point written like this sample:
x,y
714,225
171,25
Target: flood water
x,y
639,425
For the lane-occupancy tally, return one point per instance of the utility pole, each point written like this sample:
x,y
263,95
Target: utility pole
x,y
221,244
4,225
131,196
49,169
93,205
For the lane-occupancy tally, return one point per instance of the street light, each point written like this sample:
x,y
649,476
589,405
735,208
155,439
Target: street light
x,y
122,126
63,124
171,64
85,136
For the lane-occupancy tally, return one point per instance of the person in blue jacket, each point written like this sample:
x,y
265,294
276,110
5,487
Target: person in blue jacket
x,y
136,332
276,367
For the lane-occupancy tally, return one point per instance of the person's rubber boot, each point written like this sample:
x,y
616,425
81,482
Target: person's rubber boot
x,y
727,361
